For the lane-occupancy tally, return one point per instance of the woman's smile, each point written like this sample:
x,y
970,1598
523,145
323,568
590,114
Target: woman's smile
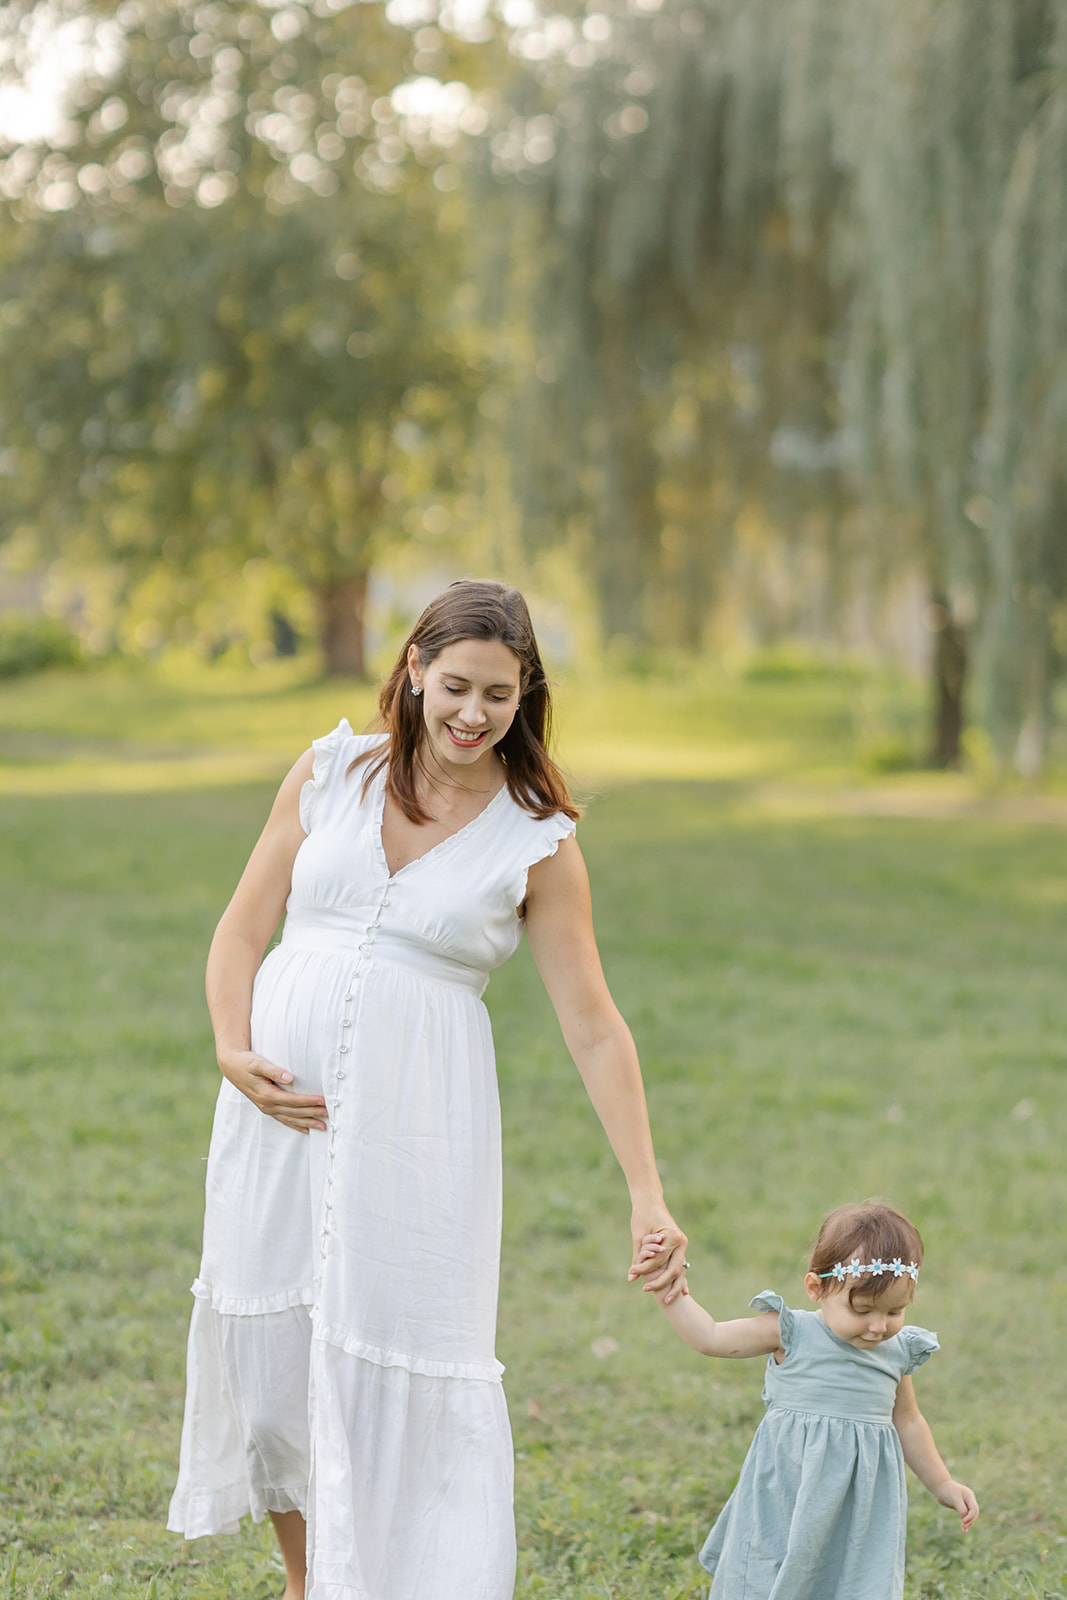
x,y
470,694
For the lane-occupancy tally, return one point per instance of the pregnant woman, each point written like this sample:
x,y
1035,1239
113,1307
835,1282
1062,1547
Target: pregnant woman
x,y
341,1368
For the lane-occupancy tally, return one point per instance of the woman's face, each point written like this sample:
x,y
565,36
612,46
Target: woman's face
x,y
470,693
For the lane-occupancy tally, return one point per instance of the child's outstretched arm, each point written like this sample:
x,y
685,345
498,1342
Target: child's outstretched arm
x,y
745,1336
920,1452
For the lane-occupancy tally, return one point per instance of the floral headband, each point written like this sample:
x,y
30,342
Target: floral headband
x,y
856,1268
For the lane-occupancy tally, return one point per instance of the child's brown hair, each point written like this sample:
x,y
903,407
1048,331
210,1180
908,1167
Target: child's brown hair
x,y
868,1231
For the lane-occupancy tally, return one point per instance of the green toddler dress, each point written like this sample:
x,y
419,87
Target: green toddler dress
x,y
820,1508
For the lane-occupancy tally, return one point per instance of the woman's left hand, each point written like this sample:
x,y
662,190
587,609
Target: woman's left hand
x,y
659,1251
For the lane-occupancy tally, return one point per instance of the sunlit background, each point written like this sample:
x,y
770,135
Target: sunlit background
x,y
735,333
716,325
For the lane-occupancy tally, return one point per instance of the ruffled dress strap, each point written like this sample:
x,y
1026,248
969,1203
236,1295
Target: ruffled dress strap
x,y
920,1344
767,1300
327,750
540,840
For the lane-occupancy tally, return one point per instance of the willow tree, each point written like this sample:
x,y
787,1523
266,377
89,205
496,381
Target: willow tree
x,y
932,115
1025,520
230,325
862,208
673,326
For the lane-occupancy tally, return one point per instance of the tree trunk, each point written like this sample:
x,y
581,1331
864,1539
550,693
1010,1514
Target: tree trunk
x,y
341,604
949,681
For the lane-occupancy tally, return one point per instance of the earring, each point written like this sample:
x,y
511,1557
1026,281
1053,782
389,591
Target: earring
x,y
416,689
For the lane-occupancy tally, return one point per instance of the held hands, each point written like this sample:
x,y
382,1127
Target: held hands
x,y
265,1085
659,1255
650,1252
957,1497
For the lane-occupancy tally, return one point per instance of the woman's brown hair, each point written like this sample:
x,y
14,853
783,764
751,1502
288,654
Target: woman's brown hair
x,y
870,1230
473,608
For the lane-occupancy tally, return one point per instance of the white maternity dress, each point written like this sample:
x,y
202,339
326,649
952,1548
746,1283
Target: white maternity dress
x,y
341,1355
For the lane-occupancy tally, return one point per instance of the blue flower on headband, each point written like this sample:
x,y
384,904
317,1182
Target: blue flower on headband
x,y
856,1268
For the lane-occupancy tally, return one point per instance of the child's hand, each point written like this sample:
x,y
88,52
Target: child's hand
x,y
651,1246
959,1498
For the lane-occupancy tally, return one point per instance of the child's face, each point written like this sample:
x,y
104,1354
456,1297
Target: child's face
x,y
869,1320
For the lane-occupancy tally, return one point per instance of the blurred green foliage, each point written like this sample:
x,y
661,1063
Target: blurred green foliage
x,y
754,309
29,643
803,327
210,359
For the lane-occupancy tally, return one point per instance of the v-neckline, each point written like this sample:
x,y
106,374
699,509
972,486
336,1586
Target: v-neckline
x,y
379,818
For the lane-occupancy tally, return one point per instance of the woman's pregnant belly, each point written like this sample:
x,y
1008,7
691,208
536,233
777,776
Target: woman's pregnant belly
x,y
263,1188
297,1012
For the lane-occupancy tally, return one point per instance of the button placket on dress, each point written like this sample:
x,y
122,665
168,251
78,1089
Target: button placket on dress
x,y
340,1074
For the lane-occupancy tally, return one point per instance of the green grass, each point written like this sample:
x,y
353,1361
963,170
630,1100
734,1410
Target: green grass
x,y
181,723
827,1007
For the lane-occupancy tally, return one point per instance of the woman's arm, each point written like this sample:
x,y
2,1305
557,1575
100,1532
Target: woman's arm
x,y
237,950
559,926
920,1452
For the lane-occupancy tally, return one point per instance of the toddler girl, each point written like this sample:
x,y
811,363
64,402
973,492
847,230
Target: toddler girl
x,y
820,1508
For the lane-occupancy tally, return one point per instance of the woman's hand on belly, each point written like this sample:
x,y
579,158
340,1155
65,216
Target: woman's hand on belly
x,y
266,1086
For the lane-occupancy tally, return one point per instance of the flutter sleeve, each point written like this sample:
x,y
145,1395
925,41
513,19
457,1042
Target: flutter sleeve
x,y
920,1345
540,840
769,1301
327,750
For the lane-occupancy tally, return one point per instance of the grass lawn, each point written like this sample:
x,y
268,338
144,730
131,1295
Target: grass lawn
x,y
183,724
827,1006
